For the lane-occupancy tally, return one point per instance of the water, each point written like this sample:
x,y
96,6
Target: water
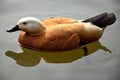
x,y
18,63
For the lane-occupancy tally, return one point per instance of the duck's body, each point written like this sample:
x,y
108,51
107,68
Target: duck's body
x,y
62,37
61,34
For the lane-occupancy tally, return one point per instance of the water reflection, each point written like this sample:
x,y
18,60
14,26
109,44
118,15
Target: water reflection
x,y
29,58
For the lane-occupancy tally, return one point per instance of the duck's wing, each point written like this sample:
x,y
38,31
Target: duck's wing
x,y
61,40
72,42
102,20
56,21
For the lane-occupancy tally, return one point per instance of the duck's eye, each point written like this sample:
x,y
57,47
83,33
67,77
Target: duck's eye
x,y
24,23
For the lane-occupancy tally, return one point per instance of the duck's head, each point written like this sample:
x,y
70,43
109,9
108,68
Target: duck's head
x,y
29,25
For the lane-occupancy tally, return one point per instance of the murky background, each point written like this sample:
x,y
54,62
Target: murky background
x,y
18,63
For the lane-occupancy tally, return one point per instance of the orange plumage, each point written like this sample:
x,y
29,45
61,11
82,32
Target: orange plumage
x,y
58,34
61,34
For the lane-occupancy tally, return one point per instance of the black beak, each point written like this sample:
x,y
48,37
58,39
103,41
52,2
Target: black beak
x,y
16,28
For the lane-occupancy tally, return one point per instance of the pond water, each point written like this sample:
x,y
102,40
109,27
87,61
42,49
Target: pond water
x,y
19,63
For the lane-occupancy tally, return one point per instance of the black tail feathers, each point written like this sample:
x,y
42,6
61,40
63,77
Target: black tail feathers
x,y
102,20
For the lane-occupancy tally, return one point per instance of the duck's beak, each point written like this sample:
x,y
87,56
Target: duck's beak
x,y
16,28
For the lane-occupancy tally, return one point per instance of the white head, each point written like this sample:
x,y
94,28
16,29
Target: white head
x,y
29,25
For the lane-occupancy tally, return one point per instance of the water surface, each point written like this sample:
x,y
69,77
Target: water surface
x,y
19,63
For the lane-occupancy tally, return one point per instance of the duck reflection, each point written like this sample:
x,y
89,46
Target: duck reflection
x,y
29,58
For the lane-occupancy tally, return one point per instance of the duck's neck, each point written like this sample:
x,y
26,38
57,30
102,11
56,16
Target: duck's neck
x,y
36,32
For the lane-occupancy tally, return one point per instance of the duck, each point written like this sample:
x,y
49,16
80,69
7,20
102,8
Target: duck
x,y
61,34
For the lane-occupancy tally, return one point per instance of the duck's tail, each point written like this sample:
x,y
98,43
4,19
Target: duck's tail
x,y
102,20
